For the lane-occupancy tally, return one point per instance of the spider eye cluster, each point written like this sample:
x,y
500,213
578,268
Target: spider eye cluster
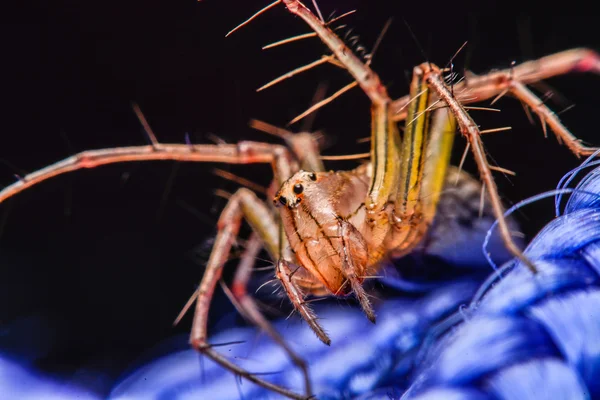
x,y
294,188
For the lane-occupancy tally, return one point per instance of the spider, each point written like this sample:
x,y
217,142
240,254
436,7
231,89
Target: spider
x,y
329,230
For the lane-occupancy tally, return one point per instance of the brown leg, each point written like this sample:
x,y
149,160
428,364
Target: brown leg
x,y
241,153
546,115
243,203
250,309
469,129
479,88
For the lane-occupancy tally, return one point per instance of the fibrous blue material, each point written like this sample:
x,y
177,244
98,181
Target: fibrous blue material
x,y
530,336
513,336
361,358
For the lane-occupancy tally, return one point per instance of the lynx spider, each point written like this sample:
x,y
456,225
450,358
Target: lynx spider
x,y
384,219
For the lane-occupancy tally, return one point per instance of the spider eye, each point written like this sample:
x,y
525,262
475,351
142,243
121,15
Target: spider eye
x,y
313,177
283,200
298,188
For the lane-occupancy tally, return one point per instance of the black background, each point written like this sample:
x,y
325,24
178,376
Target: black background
x,y
95,265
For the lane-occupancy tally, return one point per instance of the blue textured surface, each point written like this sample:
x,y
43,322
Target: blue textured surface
x,y
530,337
362,356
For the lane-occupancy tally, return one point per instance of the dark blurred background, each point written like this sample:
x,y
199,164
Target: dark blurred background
x,y
95,265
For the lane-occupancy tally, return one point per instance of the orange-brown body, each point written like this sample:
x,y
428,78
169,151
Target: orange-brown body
x,y
324,218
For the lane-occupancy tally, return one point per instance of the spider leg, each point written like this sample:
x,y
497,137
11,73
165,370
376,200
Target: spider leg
x,y
242,204
437,159
470,130
514,80
425,156
546,115
250,309
245,152
477,88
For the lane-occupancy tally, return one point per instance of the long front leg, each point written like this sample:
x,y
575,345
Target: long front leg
x,y
243,203
245,152
249,307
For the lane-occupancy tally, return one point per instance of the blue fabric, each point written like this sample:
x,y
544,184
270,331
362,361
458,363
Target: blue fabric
x,y
531,337
362,356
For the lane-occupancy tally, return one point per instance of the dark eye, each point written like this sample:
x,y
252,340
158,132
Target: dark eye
x,y
313,177
283,200
298,188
